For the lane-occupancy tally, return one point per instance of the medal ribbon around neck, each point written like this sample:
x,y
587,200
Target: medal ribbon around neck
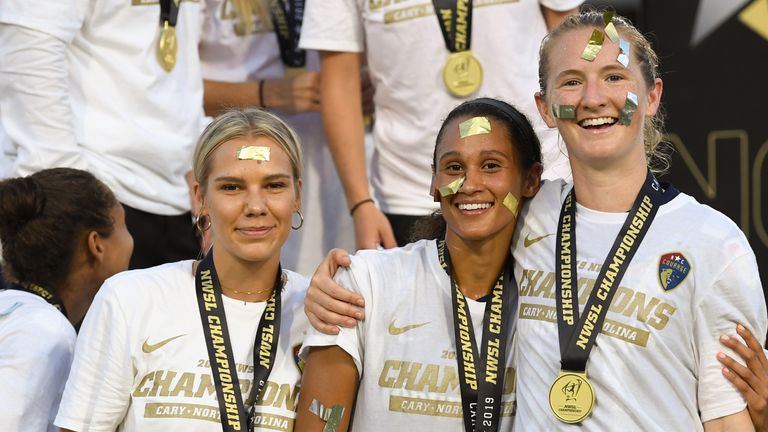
x,y
462,73
482,382
41,292
287,17
223,366
577,334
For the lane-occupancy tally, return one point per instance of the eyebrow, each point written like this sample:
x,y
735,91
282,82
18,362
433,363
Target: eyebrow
x,y
606,68
233,179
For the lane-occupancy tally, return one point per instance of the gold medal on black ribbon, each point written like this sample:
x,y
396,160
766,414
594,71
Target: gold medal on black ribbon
x,y
462,74
571,397
167,48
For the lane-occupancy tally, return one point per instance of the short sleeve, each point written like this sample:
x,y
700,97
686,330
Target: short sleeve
x,y
333,25
351,340
735,297
98,390
59,18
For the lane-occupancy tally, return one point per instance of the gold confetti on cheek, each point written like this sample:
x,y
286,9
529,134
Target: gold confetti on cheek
x,y
594,46
512,203
452,187
474,126
259,153
564,111
630,106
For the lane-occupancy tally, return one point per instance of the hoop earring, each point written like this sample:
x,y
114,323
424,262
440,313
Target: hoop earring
x,y
301,221
203,223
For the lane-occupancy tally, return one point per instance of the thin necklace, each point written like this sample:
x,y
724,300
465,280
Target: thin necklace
x,y
246,292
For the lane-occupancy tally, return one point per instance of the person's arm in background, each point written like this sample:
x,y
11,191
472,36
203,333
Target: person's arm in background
x,y
343,123
35,107
553,18
296,94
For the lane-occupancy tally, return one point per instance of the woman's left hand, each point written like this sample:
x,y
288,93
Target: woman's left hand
x,y
752,380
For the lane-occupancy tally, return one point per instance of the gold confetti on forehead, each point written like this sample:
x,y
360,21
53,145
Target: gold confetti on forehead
x,y
452,187
259,153
474,126
512,203
623,57
610,29
594,45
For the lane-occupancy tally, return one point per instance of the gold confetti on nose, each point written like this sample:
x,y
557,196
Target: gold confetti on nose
x,y
512,203
452,187
260,153
474,126
594,45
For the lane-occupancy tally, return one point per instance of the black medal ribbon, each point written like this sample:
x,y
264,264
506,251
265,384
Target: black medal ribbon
x,y
287,16
39,291
169,11
220,355
482,381
455,18
577,334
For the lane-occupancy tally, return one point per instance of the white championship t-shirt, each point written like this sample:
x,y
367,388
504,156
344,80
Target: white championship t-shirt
x,y
406,54
141,361
653,366
36,347
404,350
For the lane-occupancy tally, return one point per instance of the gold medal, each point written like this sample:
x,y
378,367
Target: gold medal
x,y
167,48
462,74
571,397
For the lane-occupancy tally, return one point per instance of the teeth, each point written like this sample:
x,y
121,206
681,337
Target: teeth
x,y
474,206
598,121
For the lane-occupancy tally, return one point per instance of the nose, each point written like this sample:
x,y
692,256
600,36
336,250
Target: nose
x,y
473,181
255,203
593,95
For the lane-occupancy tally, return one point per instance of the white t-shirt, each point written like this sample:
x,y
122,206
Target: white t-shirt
x,y
116,113
36,347
406,54
141,361
653,366
228,55
404,350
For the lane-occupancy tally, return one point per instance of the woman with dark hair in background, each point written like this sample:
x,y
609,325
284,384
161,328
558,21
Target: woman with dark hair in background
x,y
63,233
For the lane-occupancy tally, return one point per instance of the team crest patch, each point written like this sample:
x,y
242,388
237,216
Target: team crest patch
x,y
297,360
673,269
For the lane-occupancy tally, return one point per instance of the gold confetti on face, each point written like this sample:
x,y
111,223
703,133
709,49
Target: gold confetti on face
x,y
452,187
610,29
564,111
474,126
594,45
512,203
259,153
630,106
623,57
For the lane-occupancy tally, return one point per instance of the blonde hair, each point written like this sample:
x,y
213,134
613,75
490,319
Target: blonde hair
x,y
657,152
245,123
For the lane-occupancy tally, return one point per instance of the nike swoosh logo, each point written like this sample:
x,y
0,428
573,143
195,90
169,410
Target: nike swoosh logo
x,y
148,348
394,330
528,241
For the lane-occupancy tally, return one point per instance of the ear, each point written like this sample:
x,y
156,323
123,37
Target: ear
x,y
199,198
433,188
654,98
545,110
95,247
298,187
532,181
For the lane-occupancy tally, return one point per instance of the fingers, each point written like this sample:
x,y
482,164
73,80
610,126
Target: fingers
x,y
338,258
332,304
388,237
752,343
736,368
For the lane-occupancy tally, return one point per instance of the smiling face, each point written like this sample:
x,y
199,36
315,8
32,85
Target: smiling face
x,y
491,169
250,202
598,92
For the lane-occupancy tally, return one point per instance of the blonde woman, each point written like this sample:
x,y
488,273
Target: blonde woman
x,y
205,345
